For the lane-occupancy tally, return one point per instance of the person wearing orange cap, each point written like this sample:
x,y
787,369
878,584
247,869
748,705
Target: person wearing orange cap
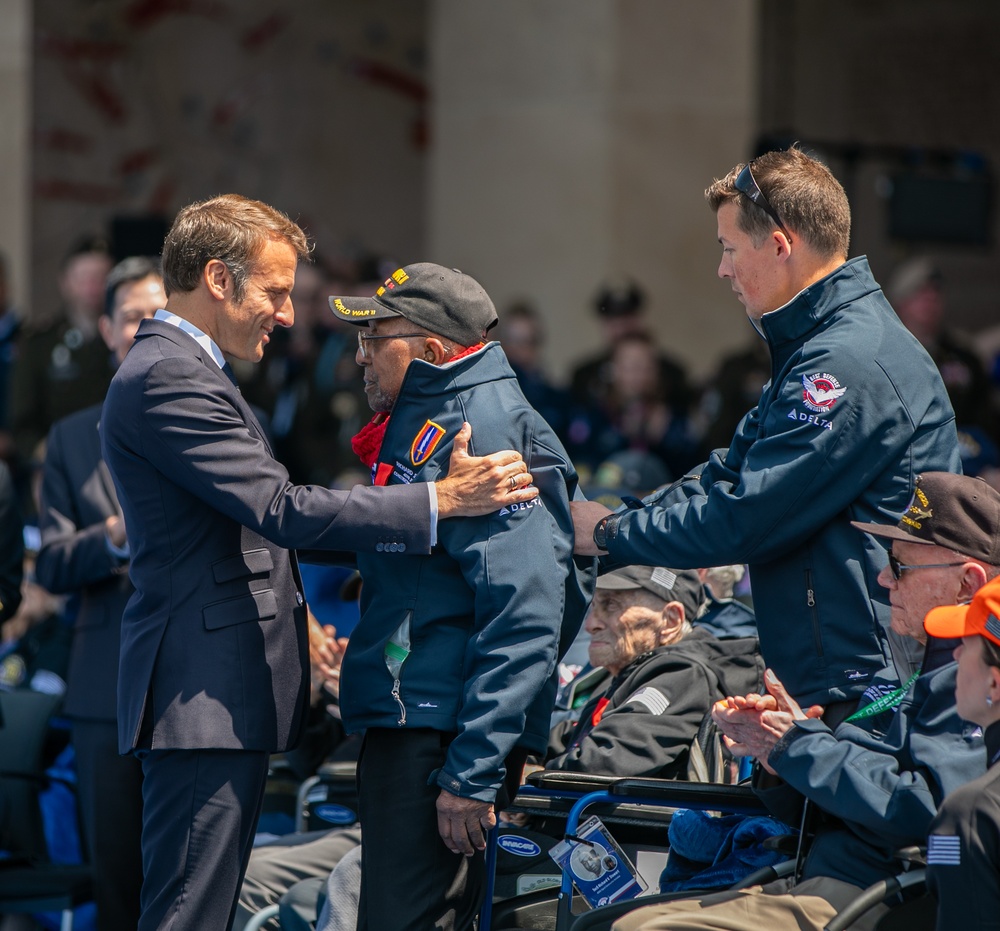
x,y
963,847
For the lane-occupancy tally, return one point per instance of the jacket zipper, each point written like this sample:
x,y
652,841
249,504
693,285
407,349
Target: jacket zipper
x,y
396,652
399,701
811,604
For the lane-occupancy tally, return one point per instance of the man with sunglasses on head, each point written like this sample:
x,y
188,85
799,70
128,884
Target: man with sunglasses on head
x,y
874,782
853,411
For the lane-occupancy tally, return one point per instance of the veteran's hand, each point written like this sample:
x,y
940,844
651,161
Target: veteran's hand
x,y
464,822
481,484
753,724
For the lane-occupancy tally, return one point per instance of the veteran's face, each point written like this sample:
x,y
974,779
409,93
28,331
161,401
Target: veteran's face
x,y
386,358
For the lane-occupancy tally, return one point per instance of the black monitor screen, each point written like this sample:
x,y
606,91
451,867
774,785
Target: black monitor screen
x,y
936,209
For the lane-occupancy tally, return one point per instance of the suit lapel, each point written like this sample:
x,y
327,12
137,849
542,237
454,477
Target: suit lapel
x,y
177,336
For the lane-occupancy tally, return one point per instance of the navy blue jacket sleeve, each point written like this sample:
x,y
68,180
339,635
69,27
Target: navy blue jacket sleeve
x,y
887,796
963,857
780,480
515,562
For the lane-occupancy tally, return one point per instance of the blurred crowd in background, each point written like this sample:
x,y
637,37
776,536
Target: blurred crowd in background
x,y
630,414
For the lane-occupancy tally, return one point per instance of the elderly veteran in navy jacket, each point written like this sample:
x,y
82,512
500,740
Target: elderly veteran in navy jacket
x,y
451,668
877,780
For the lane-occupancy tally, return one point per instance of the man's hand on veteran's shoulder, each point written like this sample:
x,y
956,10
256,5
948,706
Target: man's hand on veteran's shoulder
x,y
586,515
463,823
478,485
753,724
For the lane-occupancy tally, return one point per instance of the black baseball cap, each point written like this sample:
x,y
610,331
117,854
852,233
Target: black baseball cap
x,y
442,300
681,585
957,512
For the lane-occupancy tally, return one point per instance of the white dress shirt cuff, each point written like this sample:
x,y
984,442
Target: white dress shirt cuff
x,y
432,491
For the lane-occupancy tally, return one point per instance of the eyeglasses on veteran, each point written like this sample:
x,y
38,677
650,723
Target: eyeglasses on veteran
x,y
364,338
897,568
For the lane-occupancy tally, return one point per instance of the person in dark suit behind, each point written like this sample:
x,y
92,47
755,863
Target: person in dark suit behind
x,y
11,546
214,640
84,551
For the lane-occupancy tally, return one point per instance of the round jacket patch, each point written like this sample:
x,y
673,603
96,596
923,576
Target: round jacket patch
x,y
820,391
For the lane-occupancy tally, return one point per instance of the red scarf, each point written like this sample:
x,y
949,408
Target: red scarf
x,y
368,441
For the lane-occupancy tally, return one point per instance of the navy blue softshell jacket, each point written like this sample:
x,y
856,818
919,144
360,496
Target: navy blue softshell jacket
x,y
877,793
498,600
854,411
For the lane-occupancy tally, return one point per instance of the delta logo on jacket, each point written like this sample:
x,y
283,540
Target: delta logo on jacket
x,y
819,393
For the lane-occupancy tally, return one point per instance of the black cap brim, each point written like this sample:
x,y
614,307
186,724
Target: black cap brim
x,y
358,310
887,532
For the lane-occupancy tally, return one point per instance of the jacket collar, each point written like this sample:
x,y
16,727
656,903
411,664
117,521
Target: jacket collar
x,y
181,338
200,337
477,368
811,306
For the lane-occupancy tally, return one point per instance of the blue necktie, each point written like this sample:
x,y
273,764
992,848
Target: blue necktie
x,y
231,375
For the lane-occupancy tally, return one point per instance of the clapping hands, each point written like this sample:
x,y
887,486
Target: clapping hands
x,y
752,724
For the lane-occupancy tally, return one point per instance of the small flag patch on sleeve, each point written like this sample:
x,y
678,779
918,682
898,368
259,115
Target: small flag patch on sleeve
x,y
652,699
944,850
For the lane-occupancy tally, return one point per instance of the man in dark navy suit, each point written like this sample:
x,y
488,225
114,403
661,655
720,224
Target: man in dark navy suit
x,y
214,640
11,545
84,552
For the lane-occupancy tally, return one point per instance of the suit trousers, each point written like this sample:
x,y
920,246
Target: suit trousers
x,y
777,906
200,811
409,880
110,794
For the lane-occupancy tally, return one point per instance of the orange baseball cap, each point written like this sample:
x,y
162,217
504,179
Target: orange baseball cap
x,y
981,616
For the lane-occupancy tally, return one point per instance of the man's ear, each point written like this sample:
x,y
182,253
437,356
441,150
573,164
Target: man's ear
x,y
672,622
217,279
782,245
105,327
435,351
993,684
973,579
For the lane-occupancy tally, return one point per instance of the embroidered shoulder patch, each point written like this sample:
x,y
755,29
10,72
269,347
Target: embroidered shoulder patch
x,y
944,850
653,700
820,391
425,441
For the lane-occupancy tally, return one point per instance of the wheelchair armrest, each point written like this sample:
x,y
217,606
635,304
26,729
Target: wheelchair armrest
x,y
912,856
570,782
340,771
740,799
872,896
787,844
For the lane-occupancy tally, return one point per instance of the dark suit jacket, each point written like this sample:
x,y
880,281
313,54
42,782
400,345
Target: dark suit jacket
x,y
214,640
77,497
11,546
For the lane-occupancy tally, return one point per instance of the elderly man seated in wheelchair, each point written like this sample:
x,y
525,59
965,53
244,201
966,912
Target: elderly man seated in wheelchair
x,y
872,785
663,676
